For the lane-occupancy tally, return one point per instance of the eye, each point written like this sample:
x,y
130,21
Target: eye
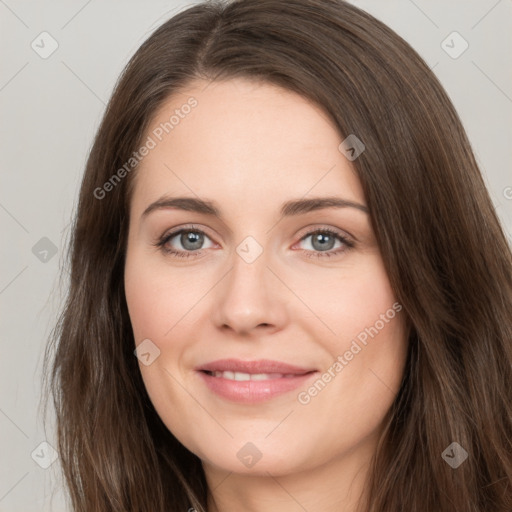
x,y
191,240
323,241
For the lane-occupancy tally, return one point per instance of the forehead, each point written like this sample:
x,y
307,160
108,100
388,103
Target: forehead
x,y
244,141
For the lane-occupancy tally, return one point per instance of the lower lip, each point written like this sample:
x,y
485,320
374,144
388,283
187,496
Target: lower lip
x,y
253,391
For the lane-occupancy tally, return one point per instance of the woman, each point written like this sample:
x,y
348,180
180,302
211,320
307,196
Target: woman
x,y
289,287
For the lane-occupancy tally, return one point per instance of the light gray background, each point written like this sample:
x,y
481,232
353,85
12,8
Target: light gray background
x,y
50,110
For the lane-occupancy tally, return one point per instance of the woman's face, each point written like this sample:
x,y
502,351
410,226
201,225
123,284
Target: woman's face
x,y
272,340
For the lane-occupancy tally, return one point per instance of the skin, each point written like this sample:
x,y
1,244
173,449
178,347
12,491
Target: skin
x,y
249,147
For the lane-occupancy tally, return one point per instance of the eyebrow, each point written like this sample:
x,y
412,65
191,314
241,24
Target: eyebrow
x,y
288,209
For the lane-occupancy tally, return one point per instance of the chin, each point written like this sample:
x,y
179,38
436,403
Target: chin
x,y
249,459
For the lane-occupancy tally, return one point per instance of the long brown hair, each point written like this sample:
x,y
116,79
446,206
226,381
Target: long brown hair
x,y
446,256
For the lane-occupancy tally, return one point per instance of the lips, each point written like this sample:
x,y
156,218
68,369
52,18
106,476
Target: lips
x,y
252,381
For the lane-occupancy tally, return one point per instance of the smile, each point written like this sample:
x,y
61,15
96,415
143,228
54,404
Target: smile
x,y
252,381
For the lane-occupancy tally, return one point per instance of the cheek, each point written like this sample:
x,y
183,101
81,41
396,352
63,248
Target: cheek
x,y
369,337
369,299
144,306
156,300
350,301
375,323
154,308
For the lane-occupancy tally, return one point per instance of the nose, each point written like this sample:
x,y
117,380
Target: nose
x,y
250,299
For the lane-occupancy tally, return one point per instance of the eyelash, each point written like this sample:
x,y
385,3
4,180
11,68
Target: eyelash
x,y
310,254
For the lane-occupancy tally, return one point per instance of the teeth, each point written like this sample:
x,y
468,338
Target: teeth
x,y
240,376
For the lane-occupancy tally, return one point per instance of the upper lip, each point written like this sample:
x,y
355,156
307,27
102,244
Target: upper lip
x,y
252,367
